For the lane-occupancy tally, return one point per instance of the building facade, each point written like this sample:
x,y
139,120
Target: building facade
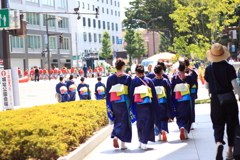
x,y
90,29
26,51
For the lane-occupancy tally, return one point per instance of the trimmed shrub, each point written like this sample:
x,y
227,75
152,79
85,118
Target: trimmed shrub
x,y
49,131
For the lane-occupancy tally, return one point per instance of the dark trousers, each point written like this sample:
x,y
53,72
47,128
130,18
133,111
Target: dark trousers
x,y
36,77
85,74
222,115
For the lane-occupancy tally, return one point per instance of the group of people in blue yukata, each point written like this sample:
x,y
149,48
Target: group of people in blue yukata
x,y
151,101
67,89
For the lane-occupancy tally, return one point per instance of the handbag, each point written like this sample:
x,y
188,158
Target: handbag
x,y
236,148
225,98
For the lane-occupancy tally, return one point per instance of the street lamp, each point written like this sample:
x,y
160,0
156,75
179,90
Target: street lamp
x,y
48,50
147,23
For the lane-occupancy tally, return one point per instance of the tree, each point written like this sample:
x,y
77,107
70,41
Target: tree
x,y
131,47
164,43
140,46
106,49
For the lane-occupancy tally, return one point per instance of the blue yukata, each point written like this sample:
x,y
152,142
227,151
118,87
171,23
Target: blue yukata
x,y
118,111
194,91
183,106
63,97
165,104
152,75
146,114
100,94
72,94
84,95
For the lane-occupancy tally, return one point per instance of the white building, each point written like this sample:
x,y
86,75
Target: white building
x,y
26,51
90,29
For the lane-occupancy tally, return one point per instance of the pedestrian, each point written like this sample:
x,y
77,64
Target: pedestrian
x,y
100,89
32,72
194,89
19,73
231,61
144,106
220,79
26,72
72,88
83,90
62,91
182,99
45,73
163,89
90,72
40,73
85,70
36,72
117,101
150,74
96,72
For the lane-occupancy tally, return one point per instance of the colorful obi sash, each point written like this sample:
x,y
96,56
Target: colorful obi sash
x,y
63,90
83,91
142,94
182,92
119,93
72,88
194,89
101,90
161,94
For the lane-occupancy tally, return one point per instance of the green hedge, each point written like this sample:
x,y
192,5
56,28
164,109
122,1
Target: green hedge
x,y
49,131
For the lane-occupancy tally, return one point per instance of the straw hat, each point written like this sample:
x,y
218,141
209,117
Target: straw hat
x,y
217,53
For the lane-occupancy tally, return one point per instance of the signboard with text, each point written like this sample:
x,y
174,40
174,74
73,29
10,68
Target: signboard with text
x,y
7,89
4,18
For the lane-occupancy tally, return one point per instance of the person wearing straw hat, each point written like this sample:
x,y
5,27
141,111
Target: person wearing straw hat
x,y
220,79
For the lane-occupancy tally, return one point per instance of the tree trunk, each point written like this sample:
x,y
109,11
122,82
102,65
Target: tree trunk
x,y
130,60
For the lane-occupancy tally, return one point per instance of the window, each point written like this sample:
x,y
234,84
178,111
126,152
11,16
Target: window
x,y
118,14
84,21
108,25
102,10
111,2
113,26
88,6
107,11
116,27
85,36
102,1
115,13
48,2
107,1
93,7
16,42
89,22
33,18
34,1
51,23
113,40
83,5
95,37
52,43
94,23
34,42
99,38
111,12
115,3
79,4
118,4
116,39
104,25
63,3
90,37
63,23
65,44
99,24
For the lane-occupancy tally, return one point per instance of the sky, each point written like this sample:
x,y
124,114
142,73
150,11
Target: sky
x,y
124,3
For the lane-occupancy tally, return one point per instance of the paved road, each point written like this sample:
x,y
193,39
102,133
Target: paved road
x,y
200,146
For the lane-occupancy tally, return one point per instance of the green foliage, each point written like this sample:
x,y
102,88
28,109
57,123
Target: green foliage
x,y
131,48
106,49
49,131
140,45
164,43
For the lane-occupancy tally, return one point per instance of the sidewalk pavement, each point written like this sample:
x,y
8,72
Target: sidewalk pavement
x,y
199,146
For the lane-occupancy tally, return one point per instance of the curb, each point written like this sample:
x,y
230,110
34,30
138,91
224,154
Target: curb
x,y
82,151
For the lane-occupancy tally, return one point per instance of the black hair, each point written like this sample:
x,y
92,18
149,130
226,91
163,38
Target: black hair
x,y
71,77
60,78
158,69
182,66
186,61
99,78
139,68
161,63
82,79
119,63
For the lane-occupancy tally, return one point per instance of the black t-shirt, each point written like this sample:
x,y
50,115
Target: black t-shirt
x,y
36,71
224,73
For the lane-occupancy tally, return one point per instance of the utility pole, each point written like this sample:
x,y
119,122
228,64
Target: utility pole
x,y
5,39
48,51
154,52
